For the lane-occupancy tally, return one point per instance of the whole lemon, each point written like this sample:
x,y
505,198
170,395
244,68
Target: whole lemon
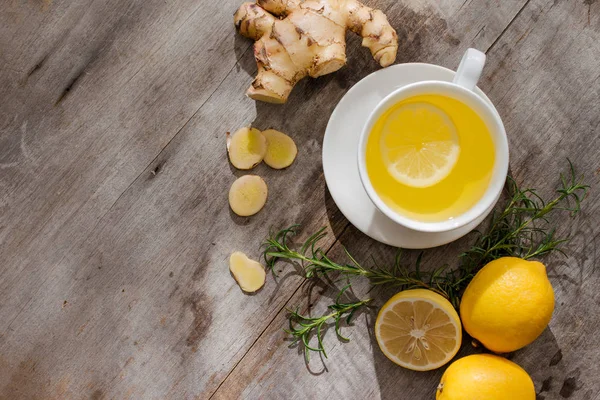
x,y
508,304
485,376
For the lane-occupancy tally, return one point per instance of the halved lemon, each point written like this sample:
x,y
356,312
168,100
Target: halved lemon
x,y
418,329
419,144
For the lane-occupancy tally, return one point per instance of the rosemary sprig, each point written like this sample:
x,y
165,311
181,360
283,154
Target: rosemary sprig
x,y
314,262
302,327
520,229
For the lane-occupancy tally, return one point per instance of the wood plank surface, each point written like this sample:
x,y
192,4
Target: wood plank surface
x,y
114,225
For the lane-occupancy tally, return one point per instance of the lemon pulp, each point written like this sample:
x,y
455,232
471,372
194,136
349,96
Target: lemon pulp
x,y
418,329
419,144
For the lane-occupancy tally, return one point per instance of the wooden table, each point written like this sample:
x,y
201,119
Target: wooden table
x,y
115,230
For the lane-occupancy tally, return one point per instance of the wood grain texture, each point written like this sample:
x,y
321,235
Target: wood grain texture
x,y
114,227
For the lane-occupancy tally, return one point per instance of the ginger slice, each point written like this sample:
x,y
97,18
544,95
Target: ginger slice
x,y
281,149
247,195
246,148
249,274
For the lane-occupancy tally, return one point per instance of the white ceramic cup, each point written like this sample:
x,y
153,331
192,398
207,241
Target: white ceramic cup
x,y
461,89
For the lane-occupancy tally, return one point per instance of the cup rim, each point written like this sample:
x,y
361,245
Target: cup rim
x,y
500,170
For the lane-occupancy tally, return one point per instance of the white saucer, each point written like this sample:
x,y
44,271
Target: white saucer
x,y
340,147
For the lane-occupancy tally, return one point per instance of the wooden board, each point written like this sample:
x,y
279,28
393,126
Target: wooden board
x,y
114,227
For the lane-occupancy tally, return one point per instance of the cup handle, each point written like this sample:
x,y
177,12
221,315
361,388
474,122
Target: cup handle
x,y
469,69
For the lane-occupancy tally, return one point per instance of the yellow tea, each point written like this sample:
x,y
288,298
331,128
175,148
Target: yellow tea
x,y
430,157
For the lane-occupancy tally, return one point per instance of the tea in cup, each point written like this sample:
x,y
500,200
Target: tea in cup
x,y
433,155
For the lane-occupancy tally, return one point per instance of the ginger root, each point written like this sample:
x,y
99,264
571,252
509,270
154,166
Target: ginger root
x,y
247,195
246,148
296,38
281,149
249,274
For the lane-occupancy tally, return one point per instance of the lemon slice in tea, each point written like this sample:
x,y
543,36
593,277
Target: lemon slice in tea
x,y
418,329
419,144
